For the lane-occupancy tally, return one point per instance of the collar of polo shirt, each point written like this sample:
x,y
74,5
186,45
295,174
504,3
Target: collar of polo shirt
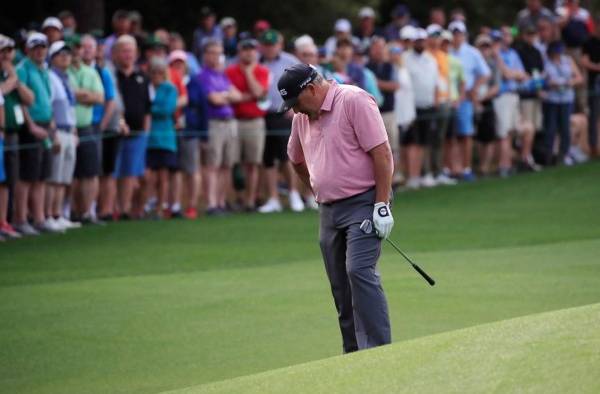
x,y
328,102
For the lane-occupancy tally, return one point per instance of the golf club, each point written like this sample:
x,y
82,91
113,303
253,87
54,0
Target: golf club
x,y
367,227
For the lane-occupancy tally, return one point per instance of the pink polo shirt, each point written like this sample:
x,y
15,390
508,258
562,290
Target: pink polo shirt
x,y
335,147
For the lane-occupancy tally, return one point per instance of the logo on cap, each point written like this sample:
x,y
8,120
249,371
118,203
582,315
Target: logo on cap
x,y
283,92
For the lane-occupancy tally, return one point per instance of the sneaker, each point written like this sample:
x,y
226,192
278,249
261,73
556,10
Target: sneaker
x,y
428,181
413,184
443,179
49,226
529,165
296,202
311,203
468,176
568,161
215,211
504,172
26,229
89,219
191,213
67,224
578,155
272,205
7,231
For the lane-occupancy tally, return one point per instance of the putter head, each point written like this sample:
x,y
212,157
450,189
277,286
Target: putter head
x,y
366,226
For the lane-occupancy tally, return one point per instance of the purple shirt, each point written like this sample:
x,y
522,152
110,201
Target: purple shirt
x,y
216,81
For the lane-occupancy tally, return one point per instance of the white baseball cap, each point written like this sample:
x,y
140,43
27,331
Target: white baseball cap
x,y
36,39
434,29
303,41
420,34
446,36
408,33
177,54
56,47
457,26
6,42
343,25
366,12
52,21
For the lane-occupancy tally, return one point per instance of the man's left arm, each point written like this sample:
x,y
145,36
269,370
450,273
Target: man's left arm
x,y
383,170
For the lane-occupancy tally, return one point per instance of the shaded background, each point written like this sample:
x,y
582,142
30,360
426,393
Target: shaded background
x,y
292,17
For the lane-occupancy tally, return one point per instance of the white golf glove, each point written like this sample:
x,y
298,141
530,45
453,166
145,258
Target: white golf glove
x,y
383,220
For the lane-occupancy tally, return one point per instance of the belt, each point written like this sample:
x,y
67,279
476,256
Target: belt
x,y
329,203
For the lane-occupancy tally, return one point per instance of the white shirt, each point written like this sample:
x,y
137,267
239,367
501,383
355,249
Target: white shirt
x,y
423,71
404,99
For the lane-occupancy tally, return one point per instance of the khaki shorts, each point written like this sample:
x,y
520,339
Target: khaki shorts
x,y
223,143
531,112
63,162
393,132
508,117
252,140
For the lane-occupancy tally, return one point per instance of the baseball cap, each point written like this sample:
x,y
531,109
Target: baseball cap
x,y
74,40
52,21
227,22
270,37
36,39
343,25
457,26
177,54
483,39
446,36
206,11
434,30
57,47
366,12
420,34
303,40
262,24
496,35
408,33
6,42
293,81
248,43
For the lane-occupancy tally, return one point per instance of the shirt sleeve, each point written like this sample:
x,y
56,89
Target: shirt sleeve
x,y
294,148
482,68
96,83
263,77
109,86
22,75
366,120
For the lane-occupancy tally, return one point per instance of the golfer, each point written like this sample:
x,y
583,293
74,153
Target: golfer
x,y
339,148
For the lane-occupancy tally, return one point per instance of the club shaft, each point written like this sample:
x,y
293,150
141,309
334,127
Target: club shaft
x,y
428,278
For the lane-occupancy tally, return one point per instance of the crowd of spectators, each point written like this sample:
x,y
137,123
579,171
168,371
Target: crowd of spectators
x,y
96,128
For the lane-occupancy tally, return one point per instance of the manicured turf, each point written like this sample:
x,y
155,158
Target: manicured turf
x,y
553,352
155,306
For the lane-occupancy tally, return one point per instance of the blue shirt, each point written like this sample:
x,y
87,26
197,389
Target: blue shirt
x,y
109,93
511,60
474,66
196,112
162,129
559,74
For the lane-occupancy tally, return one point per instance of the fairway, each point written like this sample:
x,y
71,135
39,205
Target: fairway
x,y
146,307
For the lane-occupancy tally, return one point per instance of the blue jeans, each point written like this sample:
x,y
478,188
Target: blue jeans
x,y
557,118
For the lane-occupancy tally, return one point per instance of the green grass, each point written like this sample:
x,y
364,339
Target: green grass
x,y
553,352
155,306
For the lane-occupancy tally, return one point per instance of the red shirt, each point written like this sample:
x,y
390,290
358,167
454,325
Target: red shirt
x,y
248,109
177,80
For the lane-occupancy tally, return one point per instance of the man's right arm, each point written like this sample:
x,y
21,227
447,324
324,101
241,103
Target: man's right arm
x,y
303,174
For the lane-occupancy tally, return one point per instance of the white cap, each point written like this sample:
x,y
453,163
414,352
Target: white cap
x,y
408,32
177,54
446,36
52,21
420,34
6,42
227,21
343,25
434,29
35,38
57,47
457,26
366,12
303,41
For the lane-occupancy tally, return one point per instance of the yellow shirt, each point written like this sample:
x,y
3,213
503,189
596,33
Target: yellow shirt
x,y
443,63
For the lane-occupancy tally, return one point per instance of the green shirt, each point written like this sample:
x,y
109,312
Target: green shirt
x,y
12,108
85,78
37,79
456,77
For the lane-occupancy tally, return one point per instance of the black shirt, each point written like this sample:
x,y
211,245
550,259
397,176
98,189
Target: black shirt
x,y
135,93
532,60
385,72
592,49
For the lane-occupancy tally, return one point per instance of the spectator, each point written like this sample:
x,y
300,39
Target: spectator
x,y
278,126
63,109
533,12
476,73
458,15
35,162
388,84
424,76
407,36
366,28
16,96
52,28
485,114
562,75
547,33
121,25
530,103
105,122
133,88
88,92
69,22
506,106
590,60
252,80
222,151
161,156
176,43
136,23
260,27
437,16
400,18
207,29
341,31
230,40
3,188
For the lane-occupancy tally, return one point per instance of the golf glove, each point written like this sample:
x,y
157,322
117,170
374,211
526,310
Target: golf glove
x,y
383,220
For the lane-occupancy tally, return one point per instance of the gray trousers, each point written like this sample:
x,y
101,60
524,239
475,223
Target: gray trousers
x,y
350,258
